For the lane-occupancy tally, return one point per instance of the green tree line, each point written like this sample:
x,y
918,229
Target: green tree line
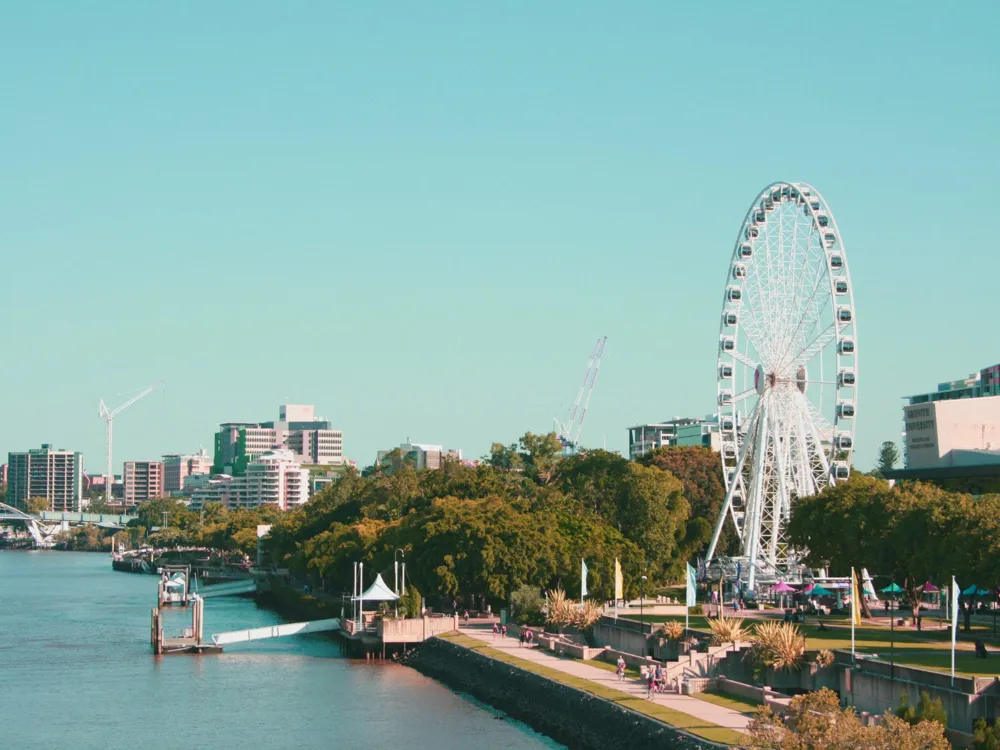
x,y
525,515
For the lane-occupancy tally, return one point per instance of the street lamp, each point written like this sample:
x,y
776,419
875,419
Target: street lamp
x,y
892,621
642,596
395,570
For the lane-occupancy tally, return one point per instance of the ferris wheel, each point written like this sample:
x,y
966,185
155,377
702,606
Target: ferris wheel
x,y
787,373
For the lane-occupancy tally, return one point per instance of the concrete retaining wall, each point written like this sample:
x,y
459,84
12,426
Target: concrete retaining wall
x,y
576,719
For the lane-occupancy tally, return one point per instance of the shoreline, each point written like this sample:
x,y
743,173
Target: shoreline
x,y
565,714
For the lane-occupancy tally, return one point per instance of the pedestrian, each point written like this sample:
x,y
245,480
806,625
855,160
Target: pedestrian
x,y
521,639
503,631
531,637
920,622
496,630
466,617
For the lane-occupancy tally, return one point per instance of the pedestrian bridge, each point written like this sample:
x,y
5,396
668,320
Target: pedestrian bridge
x,y
275,631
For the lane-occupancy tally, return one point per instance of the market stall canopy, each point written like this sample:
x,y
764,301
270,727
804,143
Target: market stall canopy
x,y
929,588
974,590
820,591
783,588
892,588
378,592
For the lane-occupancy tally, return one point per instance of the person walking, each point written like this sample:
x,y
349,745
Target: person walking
x,y
496,630
503,631
531,637
620,671
521,638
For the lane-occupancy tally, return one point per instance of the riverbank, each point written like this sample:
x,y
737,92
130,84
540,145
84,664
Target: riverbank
x,y
582,719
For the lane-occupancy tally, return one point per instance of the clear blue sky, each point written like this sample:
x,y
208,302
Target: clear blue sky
x,y
419,216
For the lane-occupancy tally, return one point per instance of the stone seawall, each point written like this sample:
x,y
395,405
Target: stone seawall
x,y
576,719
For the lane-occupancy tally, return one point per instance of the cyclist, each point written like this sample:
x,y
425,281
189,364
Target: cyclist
x,y
621,667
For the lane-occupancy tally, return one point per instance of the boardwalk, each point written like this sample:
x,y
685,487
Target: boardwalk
x,y
702,710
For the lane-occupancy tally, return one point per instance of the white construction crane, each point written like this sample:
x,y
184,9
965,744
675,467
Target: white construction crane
x,y
108,415
569,431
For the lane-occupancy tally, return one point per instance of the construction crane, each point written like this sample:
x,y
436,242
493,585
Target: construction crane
x,y
109,415
569,430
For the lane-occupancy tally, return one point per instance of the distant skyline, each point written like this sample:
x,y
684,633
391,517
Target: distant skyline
x,y
420,220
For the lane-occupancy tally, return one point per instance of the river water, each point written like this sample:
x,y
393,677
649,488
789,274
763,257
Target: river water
x,y
77,671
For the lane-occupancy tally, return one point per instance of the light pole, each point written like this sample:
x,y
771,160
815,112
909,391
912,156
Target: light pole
x,y
395,575
642,596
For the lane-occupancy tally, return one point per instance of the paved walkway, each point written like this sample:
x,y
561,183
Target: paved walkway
x,y
707,712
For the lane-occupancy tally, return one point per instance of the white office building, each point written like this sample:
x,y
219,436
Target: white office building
x,y
274,478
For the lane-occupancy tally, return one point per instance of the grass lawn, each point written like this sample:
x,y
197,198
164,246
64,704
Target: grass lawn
x,y
742,705
677,719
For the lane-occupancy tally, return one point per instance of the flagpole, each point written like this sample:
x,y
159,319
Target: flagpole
x,y
954,626
854,606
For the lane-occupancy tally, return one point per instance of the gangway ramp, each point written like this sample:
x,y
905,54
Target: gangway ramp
x,y
230,588
275,631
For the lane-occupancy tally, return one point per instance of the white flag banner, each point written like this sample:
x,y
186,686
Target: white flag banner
x,y
954,593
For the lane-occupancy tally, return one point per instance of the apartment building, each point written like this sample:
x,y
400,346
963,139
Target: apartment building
x,y
144,480
418,455
311,439
56,475
274,478
177,467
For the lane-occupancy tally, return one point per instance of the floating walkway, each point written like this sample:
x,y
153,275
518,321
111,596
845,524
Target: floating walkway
x,y
276,631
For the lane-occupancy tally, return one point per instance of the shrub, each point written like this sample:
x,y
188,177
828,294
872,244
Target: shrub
x,y
778,645
825,658
673,630
526,605
560,611
985,736
410,603
727,630
587,614
927,709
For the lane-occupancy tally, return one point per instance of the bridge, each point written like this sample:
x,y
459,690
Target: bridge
x,y
42,534
275,631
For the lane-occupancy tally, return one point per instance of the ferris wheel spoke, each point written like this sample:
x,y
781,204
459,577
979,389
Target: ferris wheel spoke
x,y
814,347
744,395
745,360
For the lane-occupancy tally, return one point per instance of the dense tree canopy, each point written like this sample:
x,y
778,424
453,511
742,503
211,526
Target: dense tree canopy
x,y
700,471
915,532
525,516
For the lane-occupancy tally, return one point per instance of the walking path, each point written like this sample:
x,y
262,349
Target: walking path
x,y
702,710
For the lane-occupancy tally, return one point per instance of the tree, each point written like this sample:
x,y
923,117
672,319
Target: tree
x,y
526,605
700,471
888,457
36,505
540,454
816,720
927,709
986,736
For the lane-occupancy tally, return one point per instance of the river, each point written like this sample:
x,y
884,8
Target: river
x,y
76,671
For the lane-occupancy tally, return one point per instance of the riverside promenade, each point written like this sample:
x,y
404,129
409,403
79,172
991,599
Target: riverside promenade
x,y
699,709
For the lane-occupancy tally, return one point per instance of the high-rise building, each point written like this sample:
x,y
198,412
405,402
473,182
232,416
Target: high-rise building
x,y
143,481
679,431
177,467
418,455
311,439
56,475
274,478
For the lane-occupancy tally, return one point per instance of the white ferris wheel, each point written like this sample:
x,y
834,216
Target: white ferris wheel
x,y
787,374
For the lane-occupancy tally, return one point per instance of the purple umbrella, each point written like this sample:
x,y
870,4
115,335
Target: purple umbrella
x,y
930,588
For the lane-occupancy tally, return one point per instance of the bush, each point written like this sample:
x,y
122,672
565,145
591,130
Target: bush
x,y
673,629
727,630
526,605
825,658
925,710
778,645
985,736
410,603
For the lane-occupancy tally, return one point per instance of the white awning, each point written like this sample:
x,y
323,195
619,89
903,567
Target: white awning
x,y
378,592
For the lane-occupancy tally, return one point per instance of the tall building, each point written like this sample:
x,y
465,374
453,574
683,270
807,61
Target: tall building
x,y
3,474
311,439
679,431
953,431
419,455
56,475
274,478
177,467
143,481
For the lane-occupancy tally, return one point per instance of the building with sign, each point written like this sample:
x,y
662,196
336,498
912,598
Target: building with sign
x,y
954,431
